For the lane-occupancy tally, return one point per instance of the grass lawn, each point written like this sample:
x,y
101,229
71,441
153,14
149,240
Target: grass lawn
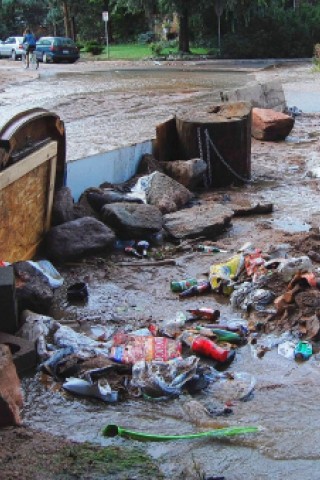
x,y
136,51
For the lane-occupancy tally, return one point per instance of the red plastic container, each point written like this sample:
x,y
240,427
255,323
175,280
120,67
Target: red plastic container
x,y
206,347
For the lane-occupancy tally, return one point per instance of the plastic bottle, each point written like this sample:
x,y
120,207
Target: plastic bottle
x,y
181,285
204,313
206,347
220,334
196,290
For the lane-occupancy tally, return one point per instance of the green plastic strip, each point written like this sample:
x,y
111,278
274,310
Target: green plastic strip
x,y
114,430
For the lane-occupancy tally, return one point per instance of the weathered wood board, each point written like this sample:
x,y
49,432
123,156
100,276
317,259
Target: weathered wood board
x,y
26,196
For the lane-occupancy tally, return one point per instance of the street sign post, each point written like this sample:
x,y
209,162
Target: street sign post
x,y
105,18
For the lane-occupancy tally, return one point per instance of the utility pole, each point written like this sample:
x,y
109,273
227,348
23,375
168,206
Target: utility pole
x,y
105,18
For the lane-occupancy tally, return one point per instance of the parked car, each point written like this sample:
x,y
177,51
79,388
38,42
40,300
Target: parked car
x,y
56,49
12,47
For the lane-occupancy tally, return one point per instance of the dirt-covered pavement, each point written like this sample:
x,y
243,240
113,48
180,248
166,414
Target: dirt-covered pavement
x,y
286,398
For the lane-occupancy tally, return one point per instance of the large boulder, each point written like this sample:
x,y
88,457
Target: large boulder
x,y
62,208
167,194
131,220
79,237
97,199
199,221
267,124
65,210
189,173
11,400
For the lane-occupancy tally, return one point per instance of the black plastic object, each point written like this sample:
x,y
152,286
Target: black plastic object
x,y
77,291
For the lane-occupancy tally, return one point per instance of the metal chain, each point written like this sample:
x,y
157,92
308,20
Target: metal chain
x,y
206,179
208,139
200,144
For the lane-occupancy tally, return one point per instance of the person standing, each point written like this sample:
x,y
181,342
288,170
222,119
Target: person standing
x,y
29,42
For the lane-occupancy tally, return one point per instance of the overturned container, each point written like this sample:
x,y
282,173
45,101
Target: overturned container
x,y
32,167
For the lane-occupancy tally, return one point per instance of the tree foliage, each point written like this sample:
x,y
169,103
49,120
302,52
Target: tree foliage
x,y
247,27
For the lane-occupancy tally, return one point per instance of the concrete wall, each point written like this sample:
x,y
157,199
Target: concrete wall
x,y
115,166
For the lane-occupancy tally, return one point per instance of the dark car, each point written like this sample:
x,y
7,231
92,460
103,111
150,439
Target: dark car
x,y
57,49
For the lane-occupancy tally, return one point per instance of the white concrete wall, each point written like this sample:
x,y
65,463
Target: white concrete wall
x,y
261,95
115,166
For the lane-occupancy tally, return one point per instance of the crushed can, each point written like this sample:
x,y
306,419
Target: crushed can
x,y
303,350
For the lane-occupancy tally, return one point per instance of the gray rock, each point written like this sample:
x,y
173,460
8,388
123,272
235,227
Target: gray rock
x,y
207,220
187,172
77,238
62,208
132,221
65,210
98,200
33,290
167,194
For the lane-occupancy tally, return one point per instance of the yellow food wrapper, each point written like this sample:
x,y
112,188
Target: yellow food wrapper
x,y
223,275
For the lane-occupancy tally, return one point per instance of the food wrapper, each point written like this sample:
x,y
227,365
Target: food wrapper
x,y
130,349
223,275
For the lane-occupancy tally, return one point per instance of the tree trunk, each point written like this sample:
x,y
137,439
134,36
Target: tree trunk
x,y
221,135
184,31
66,19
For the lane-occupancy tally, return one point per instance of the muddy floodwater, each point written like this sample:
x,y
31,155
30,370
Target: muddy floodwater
x,y
107,109
110,108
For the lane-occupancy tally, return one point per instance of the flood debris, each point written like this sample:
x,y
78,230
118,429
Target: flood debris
x,y
114,430
269,125
11,399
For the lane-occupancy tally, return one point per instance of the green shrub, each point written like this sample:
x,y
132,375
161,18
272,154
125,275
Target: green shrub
x,y
147,37
157,48
80,45
94,47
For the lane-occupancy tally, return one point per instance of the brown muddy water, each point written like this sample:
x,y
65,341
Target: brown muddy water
x,y
112,109
104,110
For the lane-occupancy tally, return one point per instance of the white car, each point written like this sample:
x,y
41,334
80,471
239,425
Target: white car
x,y
12,47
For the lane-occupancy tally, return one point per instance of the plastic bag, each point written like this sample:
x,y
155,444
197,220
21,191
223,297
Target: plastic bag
x,y
172,327
232,386
87,388
35,328
289,267
223,275
163,379
48,270
82,344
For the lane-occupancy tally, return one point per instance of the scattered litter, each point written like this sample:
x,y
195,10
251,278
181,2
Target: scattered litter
x,y
114,430
286,349
77,291
230,387
303,351
130,349
49,271
223,275
163,379
87,388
